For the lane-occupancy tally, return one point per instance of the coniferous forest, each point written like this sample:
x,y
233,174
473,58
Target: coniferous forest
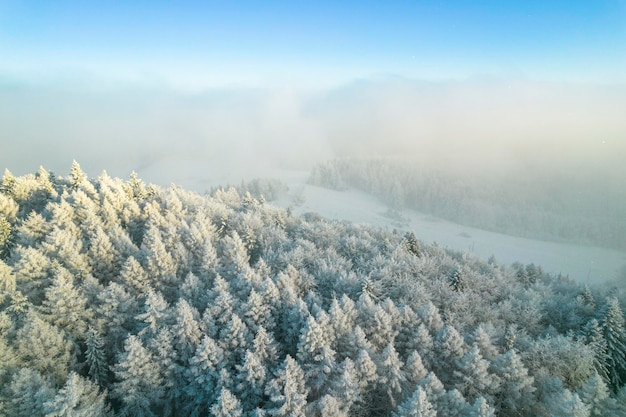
x,y
119,298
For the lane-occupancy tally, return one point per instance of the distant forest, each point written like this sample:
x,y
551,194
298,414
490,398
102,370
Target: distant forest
x,y
528,203
119,298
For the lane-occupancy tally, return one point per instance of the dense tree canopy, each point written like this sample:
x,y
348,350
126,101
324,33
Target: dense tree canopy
x,y
120,298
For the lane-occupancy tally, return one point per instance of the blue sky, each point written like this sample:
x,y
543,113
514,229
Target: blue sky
x,y
214,43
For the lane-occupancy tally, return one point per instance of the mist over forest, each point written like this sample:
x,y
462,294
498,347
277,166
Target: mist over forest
x,y
474,127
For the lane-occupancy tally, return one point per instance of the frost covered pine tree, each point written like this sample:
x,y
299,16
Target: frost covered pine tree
x,y
95,357
417,405
77,398
227,405
612,325
139,386
315,355
288,392
28,393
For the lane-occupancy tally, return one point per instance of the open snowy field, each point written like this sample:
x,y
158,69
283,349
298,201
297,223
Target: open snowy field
x,y
582,263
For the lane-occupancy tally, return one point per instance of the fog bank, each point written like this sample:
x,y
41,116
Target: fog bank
x,y
476,125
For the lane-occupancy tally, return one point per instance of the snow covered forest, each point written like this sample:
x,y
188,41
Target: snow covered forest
x,y
528,203
119,298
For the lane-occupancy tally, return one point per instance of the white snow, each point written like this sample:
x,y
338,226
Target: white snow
x,y
582,263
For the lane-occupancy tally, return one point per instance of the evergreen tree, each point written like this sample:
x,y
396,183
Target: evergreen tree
x,y
134,276
596,395
77,398
516,389
416,406
102,256
27,394
45,348
203,377
288,392
453,404
77,177
95,357
252,378
612,325
7,278
473,378
186,331
594,337
391,377
366,369
346,387
483,340
64,306
315,355
412,244
481,408
414,368
139,386
235,339
227,405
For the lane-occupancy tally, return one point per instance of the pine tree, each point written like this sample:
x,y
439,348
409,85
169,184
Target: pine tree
x,y
7,278
612,325
95,357
288,392
227,405
482,339
27,394
186,330
252,378
431,318
157,261
139,386
516,389
155,313
203,376
115,312
78,398
235,259
366,370
417,405
391,377
473,378
32,230
134,276
449,346
265,347
64,306
77,177
102,256
5,237
346,388
327,406
45,348
456,280
453,404
481,408
412,244
315,355
596,395
414,368
594,337
235,338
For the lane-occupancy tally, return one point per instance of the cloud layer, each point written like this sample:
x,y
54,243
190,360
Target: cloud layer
x,y
478,125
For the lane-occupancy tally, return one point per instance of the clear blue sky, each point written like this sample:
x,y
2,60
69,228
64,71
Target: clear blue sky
x,y
208,43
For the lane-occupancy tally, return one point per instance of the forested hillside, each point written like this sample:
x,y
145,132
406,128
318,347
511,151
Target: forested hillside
x,y
125,299
529,203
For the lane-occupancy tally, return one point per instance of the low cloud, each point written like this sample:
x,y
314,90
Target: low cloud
x,y
477,124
